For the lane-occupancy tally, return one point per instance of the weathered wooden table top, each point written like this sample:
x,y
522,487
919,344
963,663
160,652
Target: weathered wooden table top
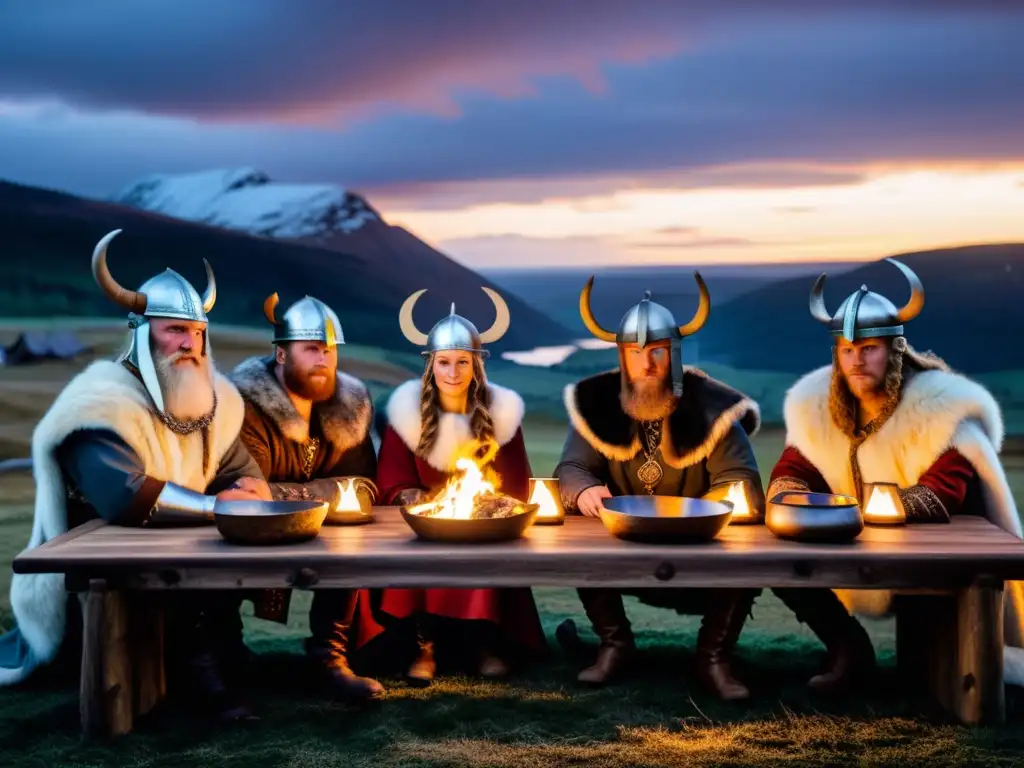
x,y
579,553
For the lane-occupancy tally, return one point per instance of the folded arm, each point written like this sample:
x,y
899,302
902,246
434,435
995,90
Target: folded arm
x,y
940,492
794,472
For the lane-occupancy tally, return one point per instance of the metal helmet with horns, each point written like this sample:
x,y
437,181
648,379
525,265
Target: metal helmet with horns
x,y
308,319
648,322
166,295
865,314
454,331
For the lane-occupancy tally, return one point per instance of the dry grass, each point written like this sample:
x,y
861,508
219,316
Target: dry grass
x,y
537,718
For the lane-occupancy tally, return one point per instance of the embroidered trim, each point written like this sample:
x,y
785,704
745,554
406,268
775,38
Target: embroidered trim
x,y
921,503
783,484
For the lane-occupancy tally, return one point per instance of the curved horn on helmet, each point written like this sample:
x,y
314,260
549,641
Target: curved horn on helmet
x,y
210,294
588,314
703,309
412,333
133,301
501,318
915,304
269,306
818,311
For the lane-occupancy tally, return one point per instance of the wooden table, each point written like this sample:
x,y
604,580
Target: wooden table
x,y
950,628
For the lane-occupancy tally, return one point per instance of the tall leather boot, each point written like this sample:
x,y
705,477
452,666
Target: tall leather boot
x,y
719,631
607,616
194,620
330,623
423,668
851,656
224,619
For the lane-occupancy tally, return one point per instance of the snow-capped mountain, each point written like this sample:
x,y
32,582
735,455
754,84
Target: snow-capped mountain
x,y
246,199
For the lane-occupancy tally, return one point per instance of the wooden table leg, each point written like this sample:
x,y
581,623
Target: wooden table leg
x,y
106,685
146,622
980,696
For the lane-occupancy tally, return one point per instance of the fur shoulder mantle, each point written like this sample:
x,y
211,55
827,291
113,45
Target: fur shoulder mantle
x,y
403,415
705,414
932,407
344,419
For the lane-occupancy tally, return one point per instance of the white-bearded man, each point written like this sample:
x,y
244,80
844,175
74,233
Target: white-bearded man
x,y
882,412
151,439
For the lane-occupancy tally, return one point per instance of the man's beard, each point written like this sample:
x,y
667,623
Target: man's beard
x,y
187,387
307,387
648,399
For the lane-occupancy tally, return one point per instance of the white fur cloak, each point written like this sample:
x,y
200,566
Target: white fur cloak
x,y
403,412
938,410
106,395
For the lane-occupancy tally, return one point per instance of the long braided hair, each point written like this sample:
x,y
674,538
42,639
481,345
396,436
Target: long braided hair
x,y
478,406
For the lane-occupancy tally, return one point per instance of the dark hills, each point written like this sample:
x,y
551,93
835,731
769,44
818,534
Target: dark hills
x,y
47,241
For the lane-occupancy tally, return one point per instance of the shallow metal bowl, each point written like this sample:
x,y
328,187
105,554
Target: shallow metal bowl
x,y
664,519
471,531
825,517
269,522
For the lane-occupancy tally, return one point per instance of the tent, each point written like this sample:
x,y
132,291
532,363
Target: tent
x,y
33,346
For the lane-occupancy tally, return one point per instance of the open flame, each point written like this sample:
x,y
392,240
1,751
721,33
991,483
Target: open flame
x,y
544,499
348,500
738,497
467,484
881,504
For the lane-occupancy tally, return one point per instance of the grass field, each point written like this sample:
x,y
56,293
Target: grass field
x,y
538,717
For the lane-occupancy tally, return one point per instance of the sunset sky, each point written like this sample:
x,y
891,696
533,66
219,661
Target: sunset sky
x,y
556,132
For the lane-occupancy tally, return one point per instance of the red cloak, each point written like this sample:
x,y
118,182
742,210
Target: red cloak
x,y
399,468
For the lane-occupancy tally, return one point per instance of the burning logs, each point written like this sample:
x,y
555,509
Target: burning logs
x,y
486,506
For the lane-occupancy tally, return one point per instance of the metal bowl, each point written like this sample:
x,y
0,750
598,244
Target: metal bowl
x,y
269,522
665,519
471,531
824,517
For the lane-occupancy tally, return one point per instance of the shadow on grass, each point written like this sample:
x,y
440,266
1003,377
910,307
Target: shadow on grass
x,y
538,716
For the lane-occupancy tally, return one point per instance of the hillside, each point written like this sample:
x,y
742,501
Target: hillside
x,y
972,316
49,236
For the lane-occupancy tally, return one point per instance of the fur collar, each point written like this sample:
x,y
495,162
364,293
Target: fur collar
x,y
706,413
403,411
344,419
932,406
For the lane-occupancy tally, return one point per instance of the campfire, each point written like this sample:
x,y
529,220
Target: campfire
x,y
472,492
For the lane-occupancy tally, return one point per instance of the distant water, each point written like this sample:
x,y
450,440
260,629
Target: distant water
x,y
545,357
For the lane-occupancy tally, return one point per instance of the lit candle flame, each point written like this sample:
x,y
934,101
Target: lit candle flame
x,y
544,499
736,495
881,503
349,500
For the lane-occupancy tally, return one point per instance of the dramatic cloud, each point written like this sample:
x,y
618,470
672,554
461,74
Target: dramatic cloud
x,y
503,101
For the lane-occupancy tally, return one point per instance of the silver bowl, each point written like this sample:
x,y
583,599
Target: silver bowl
x,y
269,522
664,519
814,517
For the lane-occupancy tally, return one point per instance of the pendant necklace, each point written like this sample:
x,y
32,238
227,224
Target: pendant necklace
x,y
650,472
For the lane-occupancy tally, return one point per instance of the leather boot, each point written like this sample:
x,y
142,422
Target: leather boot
x,y
330,621
607,616
719,631
421,672
197,637
851,656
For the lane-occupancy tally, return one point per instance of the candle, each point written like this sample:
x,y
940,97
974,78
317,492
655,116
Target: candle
x,y
545,493
883,505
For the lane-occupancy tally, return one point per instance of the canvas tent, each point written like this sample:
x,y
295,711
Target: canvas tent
x,y
33,346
